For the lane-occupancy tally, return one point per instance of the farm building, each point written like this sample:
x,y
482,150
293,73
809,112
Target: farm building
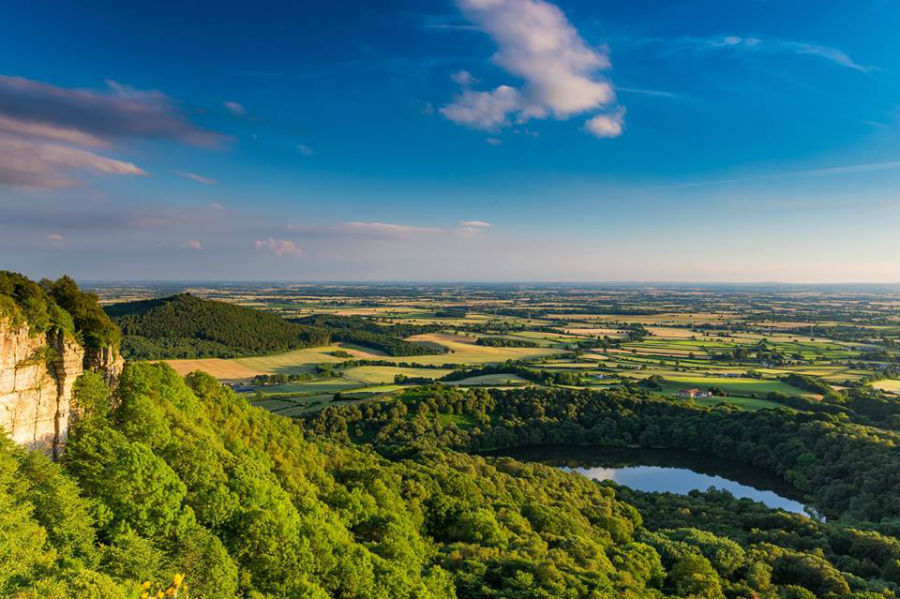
x,y
692,393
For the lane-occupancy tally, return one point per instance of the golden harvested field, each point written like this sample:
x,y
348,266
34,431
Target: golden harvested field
x,y
466,352
889,385
670,333
593,331
217,367
297,361
667,318
385,374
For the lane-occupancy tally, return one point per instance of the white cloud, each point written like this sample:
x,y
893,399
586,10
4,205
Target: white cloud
x,y
54,237
50,132
483,110
32,163
537,44
196,177
279,247
463,78
305,150
193,244
607,125
474,223
376,229
235,108
493,141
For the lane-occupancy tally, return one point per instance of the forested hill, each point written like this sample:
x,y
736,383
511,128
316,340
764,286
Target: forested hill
x,y
186,326
182,477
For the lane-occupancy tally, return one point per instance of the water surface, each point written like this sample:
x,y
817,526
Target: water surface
x,y
673,471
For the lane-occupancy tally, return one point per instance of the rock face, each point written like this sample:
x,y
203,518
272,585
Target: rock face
x,y
106,360
37,374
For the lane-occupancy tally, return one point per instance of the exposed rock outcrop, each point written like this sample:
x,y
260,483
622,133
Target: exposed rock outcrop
x,y
37,376
106,360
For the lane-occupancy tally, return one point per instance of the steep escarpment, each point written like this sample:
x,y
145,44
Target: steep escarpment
x,y
37,373
43,350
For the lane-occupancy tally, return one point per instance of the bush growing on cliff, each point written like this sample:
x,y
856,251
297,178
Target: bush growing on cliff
x,y
97,329
25,302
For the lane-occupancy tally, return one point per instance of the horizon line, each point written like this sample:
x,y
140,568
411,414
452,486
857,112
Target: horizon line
x,y
490,282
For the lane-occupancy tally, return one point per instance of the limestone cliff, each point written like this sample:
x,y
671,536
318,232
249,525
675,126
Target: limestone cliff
x,y
37,374
105,360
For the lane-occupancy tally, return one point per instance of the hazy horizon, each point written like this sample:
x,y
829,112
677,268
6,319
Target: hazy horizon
x,y
486,282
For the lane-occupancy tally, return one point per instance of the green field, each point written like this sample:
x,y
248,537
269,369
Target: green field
x,y
385,374
734,386
726,345
489,380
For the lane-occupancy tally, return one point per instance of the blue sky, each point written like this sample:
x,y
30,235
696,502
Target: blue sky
x,y
579,140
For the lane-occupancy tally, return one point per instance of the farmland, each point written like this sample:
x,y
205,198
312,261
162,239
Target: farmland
x,y
752,348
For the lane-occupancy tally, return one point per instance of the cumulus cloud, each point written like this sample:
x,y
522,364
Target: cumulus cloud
x,y
484,110
49,132
537,44
196,177
235,108
607,125
279,247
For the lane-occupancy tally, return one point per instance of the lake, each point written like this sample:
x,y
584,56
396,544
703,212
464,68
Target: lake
x,y
669,470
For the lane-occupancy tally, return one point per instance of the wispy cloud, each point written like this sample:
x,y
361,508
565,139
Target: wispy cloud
x,y
196,177
63,217
279,247
380,230
193,244
647,92
235,108
29,162
760,46
820,172
463,78
538,44
118,112
49,132
469,227
305,150
446,22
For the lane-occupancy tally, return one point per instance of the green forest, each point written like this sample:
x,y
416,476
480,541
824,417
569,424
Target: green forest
x,y
182,476
187,326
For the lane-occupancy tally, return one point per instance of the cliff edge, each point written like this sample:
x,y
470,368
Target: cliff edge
x,y
42,353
